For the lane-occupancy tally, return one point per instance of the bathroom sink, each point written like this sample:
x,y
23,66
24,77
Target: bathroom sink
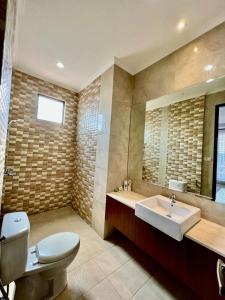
x,y
172,220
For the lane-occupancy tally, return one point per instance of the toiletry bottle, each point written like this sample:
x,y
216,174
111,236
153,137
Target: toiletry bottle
x,y
129,187
125,185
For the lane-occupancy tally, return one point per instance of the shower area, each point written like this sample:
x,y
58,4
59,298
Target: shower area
x,y
50,163
40,155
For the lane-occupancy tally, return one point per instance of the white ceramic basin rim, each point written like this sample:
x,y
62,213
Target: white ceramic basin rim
x,y
174,220
162,205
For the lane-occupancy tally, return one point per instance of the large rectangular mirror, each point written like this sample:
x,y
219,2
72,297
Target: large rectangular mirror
x,y
185,139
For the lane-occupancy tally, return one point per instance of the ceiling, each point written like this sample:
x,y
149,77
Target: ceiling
x,y
88,36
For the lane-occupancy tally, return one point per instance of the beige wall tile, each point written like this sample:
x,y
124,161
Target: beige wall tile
x,y
102,152
152,155
178,70
41,153
120,124
98,216
5,85
136,141
112,141
86,143
183,67
185,143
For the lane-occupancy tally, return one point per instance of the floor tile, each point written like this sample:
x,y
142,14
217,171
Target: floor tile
x,y
154,291
104,270
129,279
111,259
80,259
104,290
86,276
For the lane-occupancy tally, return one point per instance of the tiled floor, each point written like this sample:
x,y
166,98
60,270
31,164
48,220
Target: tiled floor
x,y
107,270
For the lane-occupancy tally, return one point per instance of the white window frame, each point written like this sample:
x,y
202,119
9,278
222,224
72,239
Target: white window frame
x,y
55,99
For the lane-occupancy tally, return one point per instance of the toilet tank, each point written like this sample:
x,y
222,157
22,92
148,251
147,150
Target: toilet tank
x,y
14,246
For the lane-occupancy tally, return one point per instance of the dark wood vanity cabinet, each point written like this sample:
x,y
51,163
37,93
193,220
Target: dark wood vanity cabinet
x,y
121,217
192,263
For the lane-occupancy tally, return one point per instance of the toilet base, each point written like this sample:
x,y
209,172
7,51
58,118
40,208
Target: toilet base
x,y
41,286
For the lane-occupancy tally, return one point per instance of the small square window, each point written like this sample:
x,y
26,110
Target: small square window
x,y
50,109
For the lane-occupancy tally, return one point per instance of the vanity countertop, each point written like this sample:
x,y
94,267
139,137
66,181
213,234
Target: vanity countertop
x,y
205,233
209,235
127,198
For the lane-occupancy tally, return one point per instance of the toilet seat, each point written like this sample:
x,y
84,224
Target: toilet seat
x,y
56,247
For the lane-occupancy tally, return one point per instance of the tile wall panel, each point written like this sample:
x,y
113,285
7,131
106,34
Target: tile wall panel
x,y
5,85
185,141
86,141
41,153
151,159
163,78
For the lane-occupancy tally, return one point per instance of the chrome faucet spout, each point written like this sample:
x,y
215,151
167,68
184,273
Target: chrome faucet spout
x,y
173,199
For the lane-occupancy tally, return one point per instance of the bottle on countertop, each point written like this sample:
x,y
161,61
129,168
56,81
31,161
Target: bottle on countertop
x,y
129,185
118,189
125,185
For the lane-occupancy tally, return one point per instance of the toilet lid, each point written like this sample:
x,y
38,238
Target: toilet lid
x,y
57,246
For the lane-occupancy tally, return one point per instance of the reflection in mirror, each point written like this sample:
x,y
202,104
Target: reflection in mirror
x,y
184,141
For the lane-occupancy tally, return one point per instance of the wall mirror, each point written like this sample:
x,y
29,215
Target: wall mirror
x,y
184,139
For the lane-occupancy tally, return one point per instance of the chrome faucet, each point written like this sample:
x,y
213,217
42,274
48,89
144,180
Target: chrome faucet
x,y
173,201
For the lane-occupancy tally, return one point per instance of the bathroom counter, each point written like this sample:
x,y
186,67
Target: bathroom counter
x,y
127,198
205,233
209,235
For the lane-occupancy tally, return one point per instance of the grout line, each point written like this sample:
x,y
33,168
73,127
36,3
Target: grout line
x,y
94,259
90,258
140,288
114,271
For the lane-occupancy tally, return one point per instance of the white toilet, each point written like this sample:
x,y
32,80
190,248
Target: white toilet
x,y
40,271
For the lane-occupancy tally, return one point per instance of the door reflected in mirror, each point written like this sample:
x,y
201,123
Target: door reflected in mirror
x,y
219,186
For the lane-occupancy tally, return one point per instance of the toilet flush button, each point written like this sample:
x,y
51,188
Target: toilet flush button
x,y
17,220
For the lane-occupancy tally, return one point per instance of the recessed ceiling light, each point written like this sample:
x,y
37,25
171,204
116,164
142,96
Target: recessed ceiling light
x,y
209,80
208,67
195,49
60,65
181,25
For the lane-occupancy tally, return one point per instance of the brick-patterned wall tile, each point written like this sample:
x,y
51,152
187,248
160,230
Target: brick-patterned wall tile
x,y
184,148
5,85
185,141
87,125
151,158
41,153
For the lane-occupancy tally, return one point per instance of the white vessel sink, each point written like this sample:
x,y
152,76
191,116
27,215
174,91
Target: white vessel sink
x,y
172,220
